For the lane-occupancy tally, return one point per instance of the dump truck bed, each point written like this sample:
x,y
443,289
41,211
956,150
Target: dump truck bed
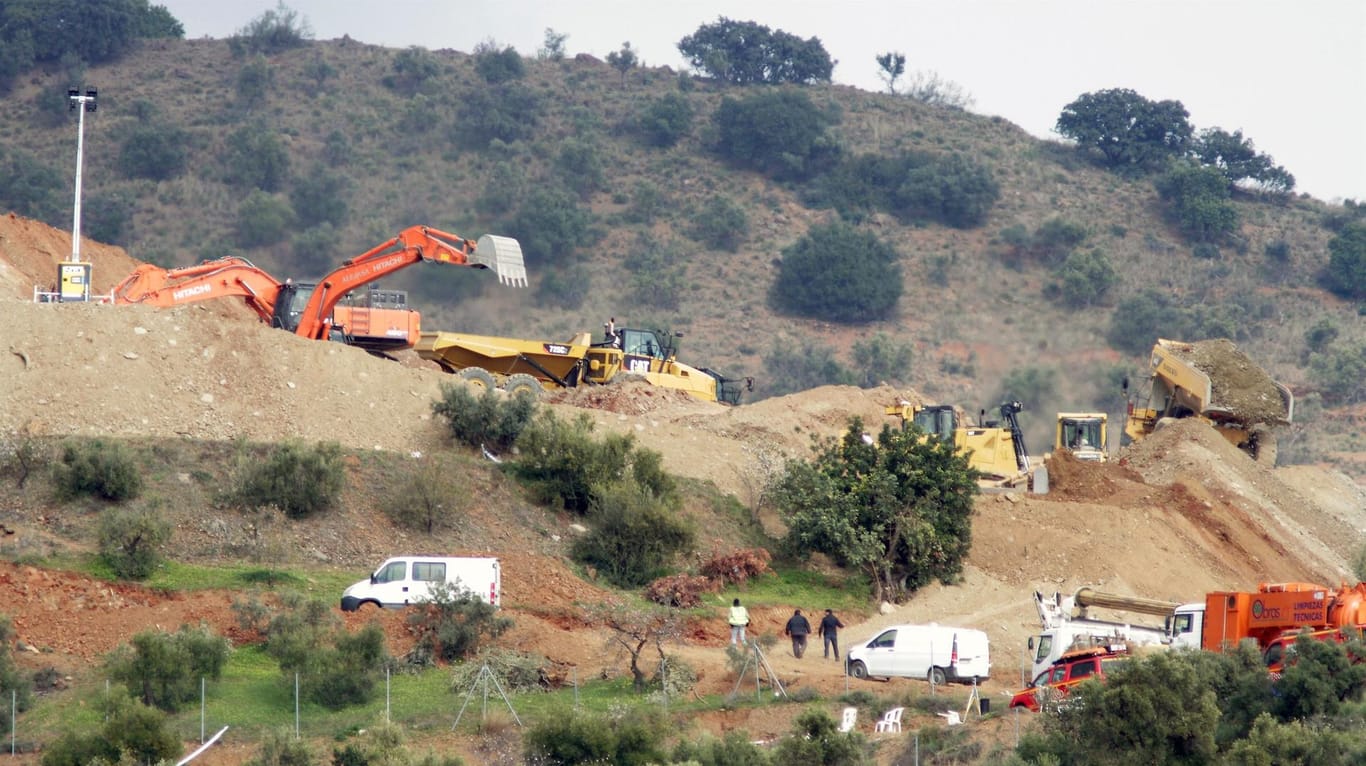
x,y
504,356
1216,380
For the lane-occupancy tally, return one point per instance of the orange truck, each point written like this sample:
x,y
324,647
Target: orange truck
x,y
310,309
1271,612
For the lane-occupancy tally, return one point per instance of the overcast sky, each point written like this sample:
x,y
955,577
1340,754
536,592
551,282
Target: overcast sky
x,y
1290,75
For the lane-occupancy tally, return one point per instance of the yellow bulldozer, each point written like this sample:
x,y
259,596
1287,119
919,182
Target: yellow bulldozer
x,y
995,449
1084,435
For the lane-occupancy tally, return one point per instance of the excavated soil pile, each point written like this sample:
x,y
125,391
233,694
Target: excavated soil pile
x,y
1073,479
1237,383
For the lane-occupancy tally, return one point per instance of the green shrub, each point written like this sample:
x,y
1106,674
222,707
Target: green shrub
x,y
1319,336
427,498
633,538
254,81
164,670
955,190
1346,270
414,68
107,216
498,65
733,749
1055,239
816,739
666,120
571,737
31,187
319,197
1083,280
314,249
647,202
506,112
581,166
838,273
298,479
129,730
11,678
255,158
722,224
1339,373
550,225
489,418
281,748
1198,202
154,150
273,31
780,133
793,367
452,624
98,468
20,456
880,359
263,219
131,541
565,287
336,669
563,464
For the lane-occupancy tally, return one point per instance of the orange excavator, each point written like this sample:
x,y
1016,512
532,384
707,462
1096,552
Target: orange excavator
x,y
310,309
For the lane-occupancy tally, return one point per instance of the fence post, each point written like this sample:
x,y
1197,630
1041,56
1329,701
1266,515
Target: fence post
x,y
201,710
296,704
387,695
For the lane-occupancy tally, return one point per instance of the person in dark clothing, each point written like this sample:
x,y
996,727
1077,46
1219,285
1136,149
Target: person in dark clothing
x,y
798,628
829,627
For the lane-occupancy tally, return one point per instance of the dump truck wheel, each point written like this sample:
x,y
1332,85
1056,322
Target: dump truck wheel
x,y
1264,446
477,377
522,382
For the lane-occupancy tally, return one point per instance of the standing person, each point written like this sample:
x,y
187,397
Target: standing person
x,y
799,629
829,627
739,620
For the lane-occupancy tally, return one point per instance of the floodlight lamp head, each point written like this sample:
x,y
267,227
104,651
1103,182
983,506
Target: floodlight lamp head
x,y
90,100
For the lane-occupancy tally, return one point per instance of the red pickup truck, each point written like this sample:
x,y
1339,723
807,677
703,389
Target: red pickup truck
x,y
1067,671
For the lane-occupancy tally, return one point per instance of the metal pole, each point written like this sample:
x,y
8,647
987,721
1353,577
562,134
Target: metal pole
x,y
201,710
13,716
387,695
296,704
80,150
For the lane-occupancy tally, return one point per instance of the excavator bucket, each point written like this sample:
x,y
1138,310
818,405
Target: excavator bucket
x,y
504,256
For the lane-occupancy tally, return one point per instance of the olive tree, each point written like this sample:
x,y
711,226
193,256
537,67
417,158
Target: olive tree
x,y
897,506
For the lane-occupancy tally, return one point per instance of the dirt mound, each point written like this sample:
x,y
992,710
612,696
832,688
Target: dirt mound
x,y
30,252
1236,382
1085,480
626,397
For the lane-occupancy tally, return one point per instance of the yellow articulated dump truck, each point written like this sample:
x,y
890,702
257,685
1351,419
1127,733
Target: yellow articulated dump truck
x,y
1213,381
533,365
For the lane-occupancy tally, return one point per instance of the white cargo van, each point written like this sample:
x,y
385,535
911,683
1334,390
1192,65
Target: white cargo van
x,y
407,580
936,653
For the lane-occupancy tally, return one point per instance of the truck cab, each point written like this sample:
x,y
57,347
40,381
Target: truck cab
x,y
1052,685
1083,434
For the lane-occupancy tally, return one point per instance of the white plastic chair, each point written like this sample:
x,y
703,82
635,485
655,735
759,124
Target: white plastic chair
x,y
890,721
850,717
952,717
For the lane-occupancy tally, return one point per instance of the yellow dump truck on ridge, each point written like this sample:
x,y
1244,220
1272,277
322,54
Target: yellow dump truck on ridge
x,y
514,364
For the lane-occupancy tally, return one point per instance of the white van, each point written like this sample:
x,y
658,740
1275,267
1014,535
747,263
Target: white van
x,y
407,580
936,653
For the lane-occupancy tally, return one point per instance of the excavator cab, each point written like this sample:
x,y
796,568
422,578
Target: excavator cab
x,y
290,305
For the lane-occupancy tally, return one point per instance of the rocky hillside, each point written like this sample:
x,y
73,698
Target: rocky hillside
x,y
974,309
1181,513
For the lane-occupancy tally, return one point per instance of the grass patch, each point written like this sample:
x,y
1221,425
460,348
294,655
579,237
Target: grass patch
x,y
789,586
179,576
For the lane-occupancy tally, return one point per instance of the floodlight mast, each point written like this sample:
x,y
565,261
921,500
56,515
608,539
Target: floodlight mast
x,y
83,104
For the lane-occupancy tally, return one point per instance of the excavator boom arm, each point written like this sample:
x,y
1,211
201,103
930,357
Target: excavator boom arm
x,y
412,245
224,277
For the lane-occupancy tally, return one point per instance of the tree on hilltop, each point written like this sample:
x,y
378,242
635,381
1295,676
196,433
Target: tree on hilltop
x,y
1127,130
744,53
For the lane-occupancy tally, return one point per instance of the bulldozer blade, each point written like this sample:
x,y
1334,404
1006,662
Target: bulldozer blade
x,y
504,256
